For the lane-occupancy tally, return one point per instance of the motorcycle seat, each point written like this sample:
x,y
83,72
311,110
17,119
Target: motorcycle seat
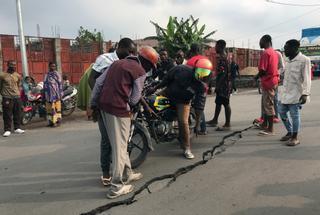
x,y
68,91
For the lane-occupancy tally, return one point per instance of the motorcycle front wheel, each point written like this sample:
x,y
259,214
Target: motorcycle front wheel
x,y
138,147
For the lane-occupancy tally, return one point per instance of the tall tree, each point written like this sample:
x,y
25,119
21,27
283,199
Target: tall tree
x,y
87,37
181,34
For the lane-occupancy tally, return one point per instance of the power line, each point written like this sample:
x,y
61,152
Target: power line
x,y
281,23
292,4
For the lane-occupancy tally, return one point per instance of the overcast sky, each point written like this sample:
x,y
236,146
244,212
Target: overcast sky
x,y
241,22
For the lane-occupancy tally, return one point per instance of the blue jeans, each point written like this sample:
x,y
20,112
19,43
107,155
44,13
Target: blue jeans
x,y
290,116
105,148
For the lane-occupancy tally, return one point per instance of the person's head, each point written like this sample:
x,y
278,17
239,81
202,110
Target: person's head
x,y
179,57
163,55
195,49
112,49
148,57
265,41
291,48
27,79
64,77
11,66
52,66
202,69
220,46
125,48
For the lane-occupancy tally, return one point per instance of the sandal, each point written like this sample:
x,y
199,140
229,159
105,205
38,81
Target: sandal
x,y
293,142
266,133
105,181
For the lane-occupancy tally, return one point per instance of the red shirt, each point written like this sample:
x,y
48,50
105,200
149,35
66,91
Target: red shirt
x,y
192,61
269,63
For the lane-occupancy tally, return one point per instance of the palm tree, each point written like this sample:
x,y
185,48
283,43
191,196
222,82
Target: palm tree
x,y
179,35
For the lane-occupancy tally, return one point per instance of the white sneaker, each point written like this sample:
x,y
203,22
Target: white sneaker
x,y
19,131
6,133
125,189
134,177
188,154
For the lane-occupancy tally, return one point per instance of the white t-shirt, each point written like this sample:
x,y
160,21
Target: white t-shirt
x,y
104,61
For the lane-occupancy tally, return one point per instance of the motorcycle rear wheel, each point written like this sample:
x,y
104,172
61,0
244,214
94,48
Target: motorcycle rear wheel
x,y
68,112
26,117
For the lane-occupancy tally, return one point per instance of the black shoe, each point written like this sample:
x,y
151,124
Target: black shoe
x,y
286,137
212,123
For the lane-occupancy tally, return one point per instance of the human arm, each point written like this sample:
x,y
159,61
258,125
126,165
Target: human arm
x,y
93,77
165,82
306,84
137,90
263,65
99,82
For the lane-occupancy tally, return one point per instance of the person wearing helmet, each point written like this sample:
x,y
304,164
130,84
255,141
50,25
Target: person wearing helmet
x,y
120,88
183,84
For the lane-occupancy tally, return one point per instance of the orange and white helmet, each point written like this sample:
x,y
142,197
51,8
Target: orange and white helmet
x,y
150,54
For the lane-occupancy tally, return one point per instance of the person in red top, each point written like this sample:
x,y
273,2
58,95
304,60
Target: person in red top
x,y
269,76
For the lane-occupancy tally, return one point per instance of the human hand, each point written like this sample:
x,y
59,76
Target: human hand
x,y
150,90
303,99
95,113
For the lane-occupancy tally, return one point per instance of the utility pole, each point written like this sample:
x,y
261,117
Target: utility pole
x,y
25,71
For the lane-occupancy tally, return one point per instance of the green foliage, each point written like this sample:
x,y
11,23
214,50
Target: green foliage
x,y
181,34
86,37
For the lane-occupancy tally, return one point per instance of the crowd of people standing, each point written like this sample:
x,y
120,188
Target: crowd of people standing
x,y
114,84
16,91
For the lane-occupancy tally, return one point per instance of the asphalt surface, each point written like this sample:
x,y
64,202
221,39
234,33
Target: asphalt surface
x,y
56,170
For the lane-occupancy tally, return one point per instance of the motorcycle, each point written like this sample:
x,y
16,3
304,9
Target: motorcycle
x,y
145,126
164,126
69,100
35,104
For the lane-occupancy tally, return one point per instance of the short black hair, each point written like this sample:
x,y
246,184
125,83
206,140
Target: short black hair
x,y
293,43
267,38
222,43
10,62
195,48
51,62
163,50
125,42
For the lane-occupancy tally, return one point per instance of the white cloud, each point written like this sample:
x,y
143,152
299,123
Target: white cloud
x,y
235,20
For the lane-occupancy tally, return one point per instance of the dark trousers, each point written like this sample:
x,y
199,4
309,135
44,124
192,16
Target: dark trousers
x,y
11,108
203,126
105,148
233,83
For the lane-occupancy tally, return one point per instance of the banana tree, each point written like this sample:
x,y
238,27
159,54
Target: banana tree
x,y
180,34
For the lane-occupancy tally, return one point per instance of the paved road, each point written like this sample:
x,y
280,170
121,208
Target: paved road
x,y
56,171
